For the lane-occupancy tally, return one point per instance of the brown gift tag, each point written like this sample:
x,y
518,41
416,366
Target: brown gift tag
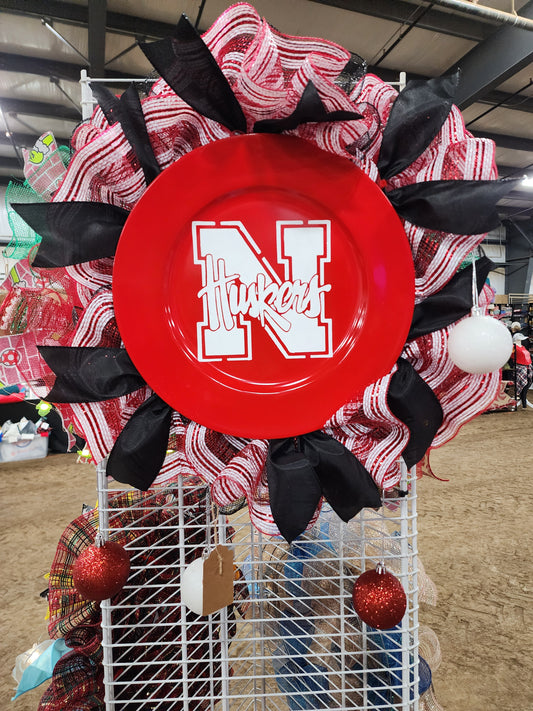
x,y
218,580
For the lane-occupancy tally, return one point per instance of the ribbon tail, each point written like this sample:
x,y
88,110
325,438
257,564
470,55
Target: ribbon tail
x,y
346,484
186,64
90,374
309,109
134,126
128,112
294,488
107,101
139,452
416,117
462,207
414,403
451,303
73,232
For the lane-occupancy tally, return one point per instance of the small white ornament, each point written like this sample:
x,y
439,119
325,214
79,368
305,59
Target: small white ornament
x,y
192,586
207,582
480,344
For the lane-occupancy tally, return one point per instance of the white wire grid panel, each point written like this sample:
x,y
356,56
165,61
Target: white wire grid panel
x,y
290,642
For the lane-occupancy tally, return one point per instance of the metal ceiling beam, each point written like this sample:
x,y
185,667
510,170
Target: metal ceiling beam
x,y
39,108
48,67
26,140
10,163
435,20
515,143
71,72
491,62
96,27
516,103
507,101
394,10
79,15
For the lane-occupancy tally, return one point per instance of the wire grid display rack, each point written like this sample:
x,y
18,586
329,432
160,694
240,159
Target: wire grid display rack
x,y
291,640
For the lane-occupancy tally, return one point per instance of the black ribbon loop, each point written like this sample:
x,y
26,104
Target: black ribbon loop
x,y
309,109
140,449
293,487
414,403
416,117
451,303
90,374
128,111
465,207
300,470
73,232
186,64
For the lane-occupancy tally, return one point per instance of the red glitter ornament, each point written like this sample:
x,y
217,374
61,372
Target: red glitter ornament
x,y
101,571
379,598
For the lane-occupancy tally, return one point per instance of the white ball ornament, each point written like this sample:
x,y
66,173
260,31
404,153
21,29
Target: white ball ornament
x,y
192,586
480,344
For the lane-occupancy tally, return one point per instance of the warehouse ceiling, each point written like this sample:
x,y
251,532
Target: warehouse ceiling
x,y
44,45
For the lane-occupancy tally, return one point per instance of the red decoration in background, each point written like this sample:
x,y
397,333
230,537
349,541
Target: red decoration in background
x,y
100,572
379,598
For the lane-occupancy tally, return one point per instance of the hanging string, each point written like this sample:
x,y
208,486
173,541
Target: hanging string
x,y
475,297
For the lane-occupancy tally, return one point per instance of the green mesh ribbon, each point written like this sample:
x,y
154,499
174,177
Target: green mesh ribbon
x,y
23,236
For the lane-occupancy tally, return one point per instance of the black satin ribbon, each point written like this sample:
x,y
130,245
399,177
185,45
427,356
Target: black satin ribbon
x,y
416,117
186,64
300,470
73,232
414,403
140,449
450,303
309,109
466,207
90,374
128,111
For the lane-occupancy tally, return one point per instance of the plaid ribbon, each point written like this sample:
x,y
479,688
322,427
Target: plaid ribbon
x,y
77,682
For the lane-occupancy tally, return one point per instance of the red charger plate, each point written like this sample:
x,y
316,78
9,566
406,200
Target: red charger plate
x,y
260,283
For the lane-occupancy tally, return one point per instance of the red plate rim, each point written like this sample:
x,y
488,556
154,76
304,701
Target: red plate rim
x,y
141,291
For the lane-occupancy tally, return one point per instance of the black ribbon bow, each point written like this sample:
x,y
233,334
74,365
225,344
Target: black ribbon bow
x,y
300,470
414,403
451,303
416,117
463,207
186,64
73,232
140,449
90,374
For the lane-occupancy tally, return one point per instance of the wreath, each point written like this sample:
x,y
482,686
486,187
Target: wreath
x,y
242,77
